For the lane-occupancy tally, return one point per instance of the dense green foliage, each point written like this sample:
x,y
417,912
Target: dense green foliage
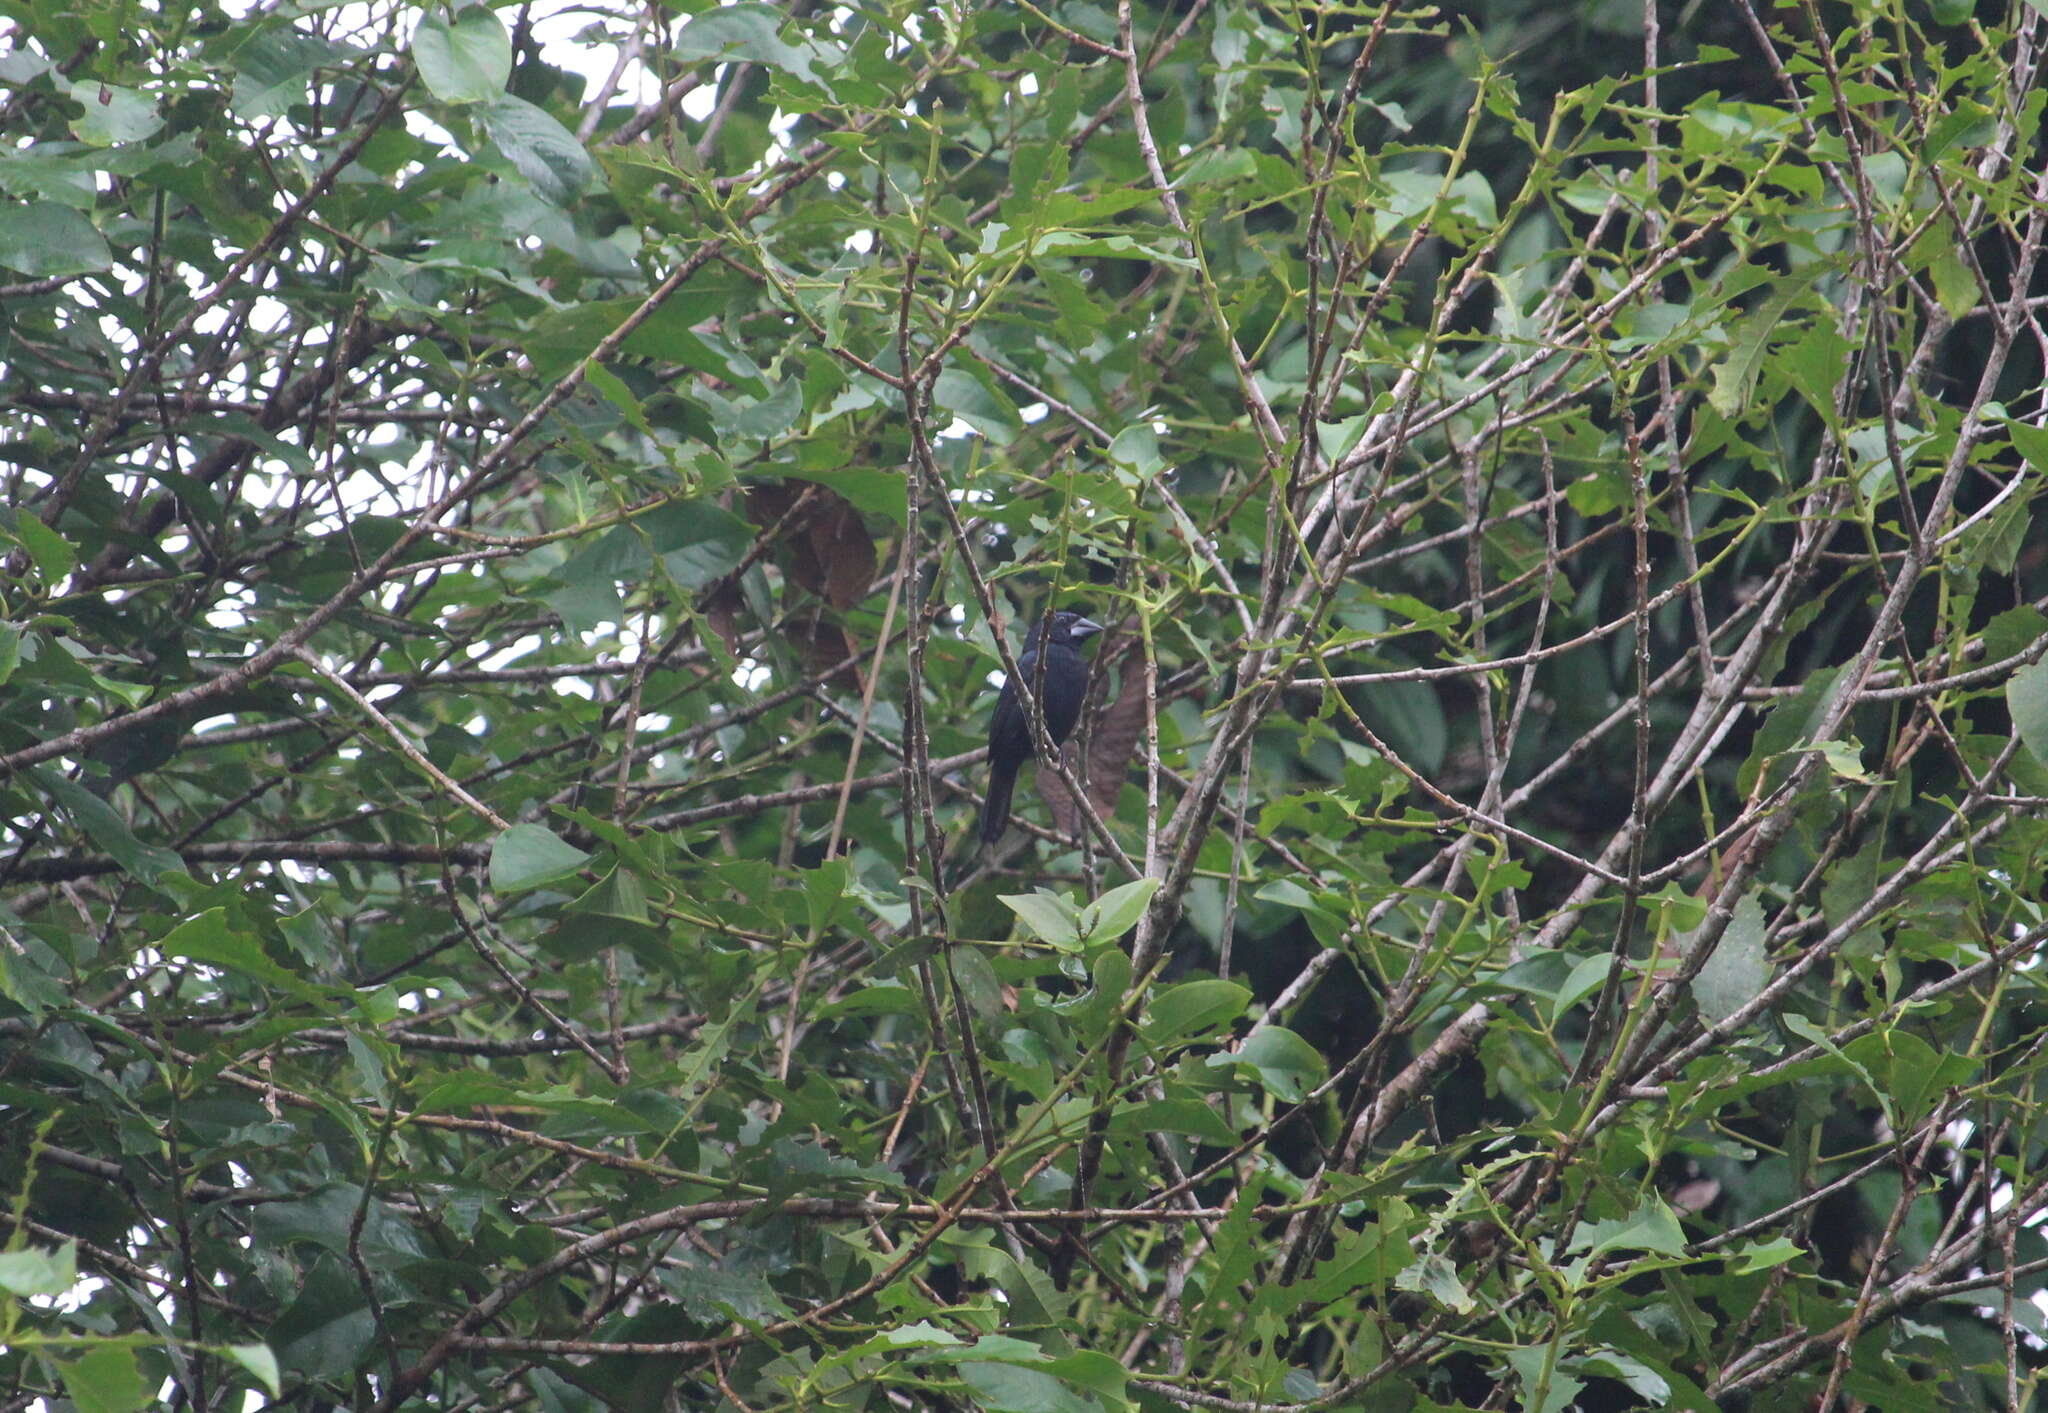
x,y
511,518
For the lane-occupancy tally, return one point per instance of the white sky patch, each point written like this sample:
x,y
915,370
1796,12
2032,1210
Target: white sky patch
x,y
74,1299
427,130
115,333
498,659
698,102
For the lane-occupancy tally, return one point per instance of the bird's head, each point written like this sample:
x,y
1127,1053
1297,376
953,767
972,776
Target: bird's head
x,y
1066,626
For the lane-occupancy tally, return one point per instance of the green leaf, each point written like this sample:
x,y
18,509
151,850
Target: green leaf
x,y
1674,908
1550,1388
1116,912
875,492
1844,759
1588,975
2026,697
33,976
1190,1116
590,593
978,981
467,61
617,393
539,148
1735,376
1763,1255
43,238
697,543
1193,1007
51,552
1433,1275
1412,716
106,1379
208,940
1286,1065
1117,247
1094,1370
1008,1388
146,863
1217,166
1652,1227
113,115
618,894
1541,973
1737,971
1806,1030
824,888
922,1335
1049,918
977,402
272,69
748,31
530,856
31,1270
259,1361
1813,364
1137,446
1792,722
327,1327
1012,1375
1909,1072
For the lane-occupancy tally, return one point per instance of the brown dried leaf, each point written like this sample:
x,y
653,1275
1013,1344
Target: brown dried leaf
x,y
769,501
844,548
1059,800
823,548
722,611
825,646
1115,738
827,549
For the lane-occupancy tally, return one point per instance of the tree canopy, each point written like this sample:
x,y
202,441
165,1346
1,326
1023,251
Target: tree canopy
x,y
512,516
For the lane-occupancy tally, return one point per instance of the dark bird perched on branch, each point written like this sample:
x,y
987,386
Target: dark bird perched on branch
x,y
1060,686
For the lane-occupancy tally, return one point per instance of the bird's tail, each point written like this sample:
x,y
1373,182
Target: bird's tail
x,y
995,815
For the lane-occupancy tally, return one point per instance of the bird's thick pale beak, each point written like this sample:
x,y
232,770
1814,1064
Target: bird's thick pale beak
x,y
1084,628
